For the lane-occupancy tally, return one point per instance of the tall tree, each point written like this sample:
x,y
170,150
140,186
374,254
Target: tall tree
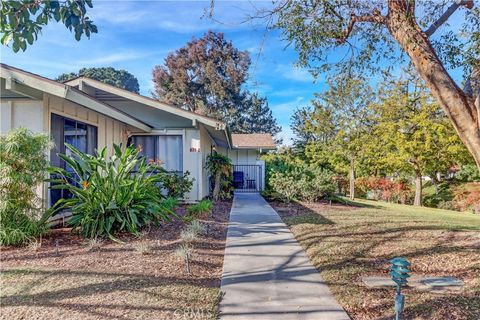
x,y
206,76
417,137
21,21
370,33
339,123
253,115
118,78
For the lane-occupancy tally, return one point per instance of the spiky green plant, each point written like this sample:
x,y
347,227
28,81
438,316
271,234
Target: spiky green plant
x,y
111,194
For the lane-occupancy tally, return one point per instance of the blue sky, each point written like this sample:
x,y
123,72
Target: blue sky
x,y
137,35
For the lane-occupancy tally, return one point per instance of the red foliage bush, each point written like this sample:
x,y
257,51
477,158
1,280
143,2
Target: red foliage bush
x,y
467,197
384,189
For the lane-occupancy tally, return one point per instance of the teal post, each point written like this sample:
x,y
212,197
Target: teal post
x,y
400,273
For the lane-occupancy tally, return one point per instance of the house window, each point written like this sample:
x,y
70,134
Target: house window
x,y
168,149
80,135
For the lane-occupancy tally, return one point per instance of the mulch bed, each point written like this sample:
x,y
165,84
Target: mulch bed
x,y
149,258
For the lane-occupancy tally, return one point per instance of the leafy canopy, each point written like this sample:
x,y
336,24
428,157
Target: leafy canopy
x,y
21,21
118,78
206,76
318,30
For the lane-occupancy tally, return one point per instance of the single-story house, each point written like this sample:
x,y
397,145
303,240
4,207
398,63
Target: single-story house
x,y
91,115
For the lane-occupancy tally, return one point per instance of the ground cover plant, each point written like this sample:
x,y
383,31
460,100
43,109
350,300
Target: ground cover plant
x,y
347,242
200,209
110,194
140,278
23,166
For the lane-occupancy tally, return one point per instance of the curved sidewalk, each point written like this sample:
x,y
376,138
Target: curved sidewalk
x,y
266,274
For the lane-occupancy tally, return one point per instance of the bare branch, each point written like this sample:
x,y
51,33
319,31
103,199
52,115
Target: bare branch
x,y
376,17
444,17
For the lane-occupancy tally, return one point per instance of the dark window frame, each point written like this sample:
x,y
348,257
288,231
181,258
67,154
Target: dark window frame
x,y
57,132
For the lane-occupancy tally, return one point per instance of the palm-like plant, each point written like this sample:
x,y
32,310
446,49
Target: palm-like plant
x,y
114,194
219,166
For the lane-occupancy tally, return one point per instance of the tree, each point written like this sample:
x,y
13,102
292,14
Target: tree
x,y
206,76
339,123
253,115
372,32
21,21
118,78
299,125
416,134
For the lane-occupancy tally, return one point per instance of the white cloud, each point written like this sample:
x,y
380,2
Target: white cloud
x,y
291,72
116,57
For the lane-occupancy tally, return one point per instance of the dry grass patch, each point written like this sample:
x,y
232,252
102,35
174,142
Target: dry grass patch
x,y
347,242
140,279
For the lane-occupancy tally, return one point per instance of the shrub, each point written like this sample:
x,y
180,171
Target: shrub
x,y
220,168
303,183
467,197
284,185
175,184
23,166
468,173
110,194
169,203
199,209
384,189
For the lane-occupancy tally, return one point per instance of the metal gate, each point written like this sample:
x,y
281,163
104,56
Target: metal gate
x,y
247,178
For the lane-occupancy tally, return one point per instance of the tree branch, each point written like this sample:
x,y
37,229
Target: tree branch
x,y
444,17
376,17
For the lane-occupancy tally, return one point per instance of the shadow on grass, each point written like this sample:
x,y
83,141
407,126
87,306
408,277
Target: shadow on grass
x,y
89,287
356,244
297,213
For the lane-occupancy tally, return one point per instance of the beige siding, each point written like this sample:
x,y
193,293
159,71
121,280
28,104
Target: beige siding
x,y
21,113
244,157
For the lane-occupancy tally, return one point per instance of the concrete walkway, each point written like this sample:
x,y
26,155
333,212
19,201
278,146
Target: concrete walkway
x,y
266,274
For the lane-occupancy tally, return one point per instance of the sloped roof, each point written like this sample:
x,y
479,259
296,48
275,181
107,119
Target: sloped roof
x,y
21,79
253,140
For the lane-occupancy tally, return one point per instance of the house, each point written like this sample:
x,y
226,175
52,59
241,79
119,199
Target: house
x,y
90,115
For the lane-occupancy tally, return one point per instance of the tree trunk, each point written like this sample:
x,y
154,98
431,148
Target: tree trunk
x,y
435,183
352,179
216,188
459,107
418,189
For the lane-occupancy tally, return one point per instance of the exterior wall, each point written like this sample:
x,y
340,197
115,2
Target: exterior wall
x,y
24,113
242,156
35,115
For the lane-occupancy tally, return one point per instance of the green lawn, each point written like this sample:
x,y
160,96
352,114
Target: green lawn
x,y
346,243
